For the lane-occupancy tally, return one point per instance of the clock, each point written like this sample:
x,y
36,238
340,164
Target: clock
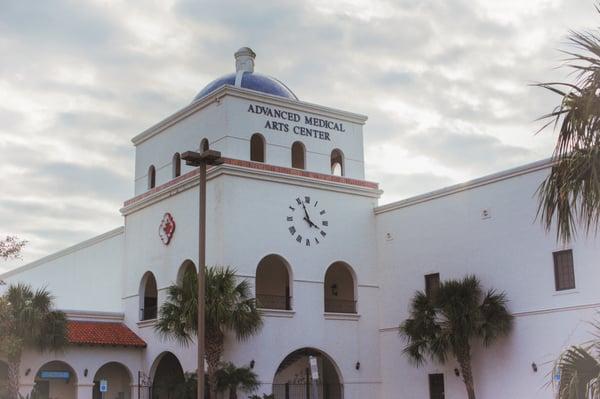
x,y
307,221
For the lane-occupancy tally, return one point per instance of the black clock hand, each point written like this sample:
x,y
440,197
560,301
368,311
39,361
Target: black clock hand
x,y
307,217
311,224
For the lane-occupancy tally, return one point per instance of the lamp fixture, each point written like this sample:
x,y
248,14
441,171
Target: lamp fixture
x,y
334,289
534,367
252,363
27,372
456,372
357,365
85,372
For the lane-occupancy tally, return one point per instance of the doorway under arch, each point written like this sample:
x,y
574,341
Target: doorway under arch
x,y
168,376
118,378
56,379
293,378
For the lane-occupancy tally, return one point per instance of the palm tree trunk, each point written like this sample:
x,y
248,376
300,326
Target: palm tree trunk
x,y
233,392
14,364
464,360
214,349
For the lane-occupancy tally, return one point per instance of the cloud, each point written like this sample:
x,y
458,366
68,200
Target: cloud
x,y
445,85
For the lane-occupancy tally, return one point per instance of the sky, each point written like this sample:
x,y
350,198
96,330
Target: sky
x,y
446,85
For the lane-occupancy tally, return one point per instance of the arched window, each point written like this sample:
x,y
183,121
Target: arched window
x,y
176,165
186,268
337,162
273,283
148,297
298,155
151,177
340,289
204,145
257,148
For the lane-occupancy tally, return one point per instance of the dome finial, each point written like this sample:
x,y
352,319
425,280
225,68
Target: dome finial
x,y
244,60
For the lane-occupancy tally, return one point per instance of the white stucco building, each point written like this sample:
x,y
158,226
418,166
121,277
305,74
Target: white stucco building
x,y
335,285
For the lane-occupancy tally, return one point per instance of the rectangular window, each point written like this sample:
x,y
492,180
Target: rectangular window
x,y
436,386
564,275
432,283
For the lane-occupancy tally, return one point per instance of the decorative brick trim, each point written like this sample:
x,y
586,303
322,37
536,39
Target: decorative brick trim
x,y
301,172
258,166
156,189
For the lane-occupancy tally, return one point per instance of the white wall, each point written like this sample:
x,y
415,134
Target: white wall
x,y
510,252
228,126
84,277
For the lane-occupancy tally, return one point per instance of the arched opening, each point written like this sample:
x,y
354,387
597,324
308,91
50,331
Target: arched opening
x,y
55,379
298,155
293,378
176,165
148,297
340,289
337,163
257,148
168,377
118,379
273,283
186,268
151,177
3,379
204,145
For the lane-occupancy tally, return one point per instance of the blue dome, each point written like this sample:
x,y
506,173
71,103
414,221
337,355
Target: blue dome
x,y
251,81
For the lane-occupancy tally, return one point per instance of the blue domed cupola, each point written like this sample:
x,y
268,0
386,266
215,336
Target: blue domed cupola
x,y
246,78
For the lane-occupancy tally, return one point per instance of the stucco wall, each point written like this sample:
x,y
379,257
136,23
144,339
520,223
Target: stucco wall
x,y
508,251
84,277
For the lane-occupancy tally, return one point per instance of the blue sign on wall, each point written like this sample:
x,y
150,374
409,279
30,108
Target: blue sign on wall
x,y
55,375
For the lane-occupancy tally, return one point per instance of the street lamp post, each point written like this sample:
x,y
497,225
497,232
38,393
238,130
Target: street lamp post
x,y
201,160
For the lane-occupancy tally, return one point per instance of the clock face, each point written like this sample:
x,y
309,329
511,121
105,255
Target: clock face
x,y
307,221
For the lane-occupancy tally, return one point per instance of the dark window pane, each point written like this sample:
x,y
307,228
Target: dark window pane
x,y
564,275
257,148
436,386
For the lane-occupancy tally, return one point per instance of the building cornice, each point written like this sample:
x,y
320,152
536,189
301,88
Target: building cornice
x,y
93,315
528,313
77,247
232,91
471,184
254,170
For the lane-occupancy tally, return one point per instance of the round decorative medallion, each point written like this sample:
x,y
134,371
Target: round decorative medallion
x,y
166,228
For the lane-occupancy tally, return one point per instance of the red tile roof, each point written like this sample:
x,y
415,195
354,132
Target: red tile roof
x,y
101,333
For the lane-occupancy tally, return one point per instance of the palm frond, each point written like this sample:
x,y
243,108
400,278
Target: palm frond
x,y
496,321
570,195
579,372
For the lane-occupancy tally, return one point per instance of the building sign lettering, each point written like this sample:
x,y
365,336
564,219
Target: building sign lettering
x,y
287,121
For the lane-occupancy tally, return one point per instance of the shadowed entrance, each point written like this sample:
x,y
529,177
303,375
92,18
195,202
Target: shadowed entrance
x,y
168,377
293,379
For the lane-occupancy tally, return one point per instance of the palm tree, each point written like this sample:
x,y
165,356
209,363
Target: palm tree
x,y
28,321
229,307
579,373
234,378
570,195
446,322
